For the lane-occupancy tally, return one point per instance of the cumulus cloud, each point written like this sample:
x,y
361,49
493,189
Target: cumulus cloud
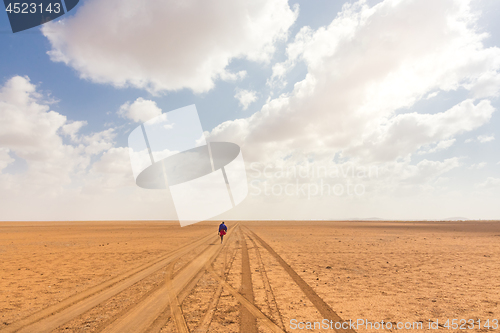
x,y
5,158
486,85
71,129
29,130
140,110
166,45
365,72
246,97
490,182
405,133
481,138
111,172
65,174
485,138
442,145
96,143
425,171
366,69
27,126
477,166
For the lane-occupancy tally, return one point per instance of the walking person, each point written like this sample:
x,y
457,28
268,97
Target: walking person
x,y
222,231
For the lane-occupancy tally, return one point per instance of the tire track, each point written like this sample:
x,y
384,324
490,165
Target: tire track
x,y
58,314
271,299
104,306
141,317
157,306
252,308
175,308
325,310
165,316
248,322
162,320
208,317
255,313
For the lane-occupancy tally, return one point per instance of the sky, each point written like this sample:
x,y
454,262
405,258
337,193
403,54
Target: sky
x,y
342,109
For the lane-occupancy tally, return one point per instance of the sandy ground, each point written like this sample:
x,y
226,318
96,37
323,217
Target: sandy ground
x,y
265,277
396,272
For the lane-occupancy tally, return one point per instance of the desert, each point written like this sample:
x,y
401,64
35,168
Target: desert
x,y
266,276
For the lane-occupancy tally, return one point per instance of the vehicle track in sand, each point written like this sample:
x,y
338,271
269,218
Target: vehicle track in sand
x,y
50,318
325,310
163,304
270,297
205,322
144,314
248,323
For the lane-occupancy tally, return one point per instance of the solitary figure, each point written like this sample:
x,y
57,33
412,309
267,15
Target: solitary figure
x,y
222,231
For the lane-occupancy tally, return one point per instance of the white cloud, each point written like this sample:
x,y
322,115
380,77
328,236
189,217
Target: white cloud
x,y
485,138
32,132
60,181
246,97
96,143
486,85
140,110
481,139
362,68
27,126
365,72
490,182
442,145
405,133
111,172
167,46
477,166
431,95
5,158
402,179
423,171
72,129
227,76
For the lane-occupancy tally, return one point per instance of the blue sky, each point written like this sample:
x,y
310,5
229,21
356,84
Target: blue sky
x,y
313,101
25,53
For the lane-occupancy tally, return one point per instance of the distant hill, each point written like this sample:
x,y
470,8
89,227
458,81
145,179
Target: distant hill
x,y
456,219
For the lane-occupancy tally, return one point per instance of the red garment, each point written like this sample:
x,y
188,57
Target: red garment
x,y
222,232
